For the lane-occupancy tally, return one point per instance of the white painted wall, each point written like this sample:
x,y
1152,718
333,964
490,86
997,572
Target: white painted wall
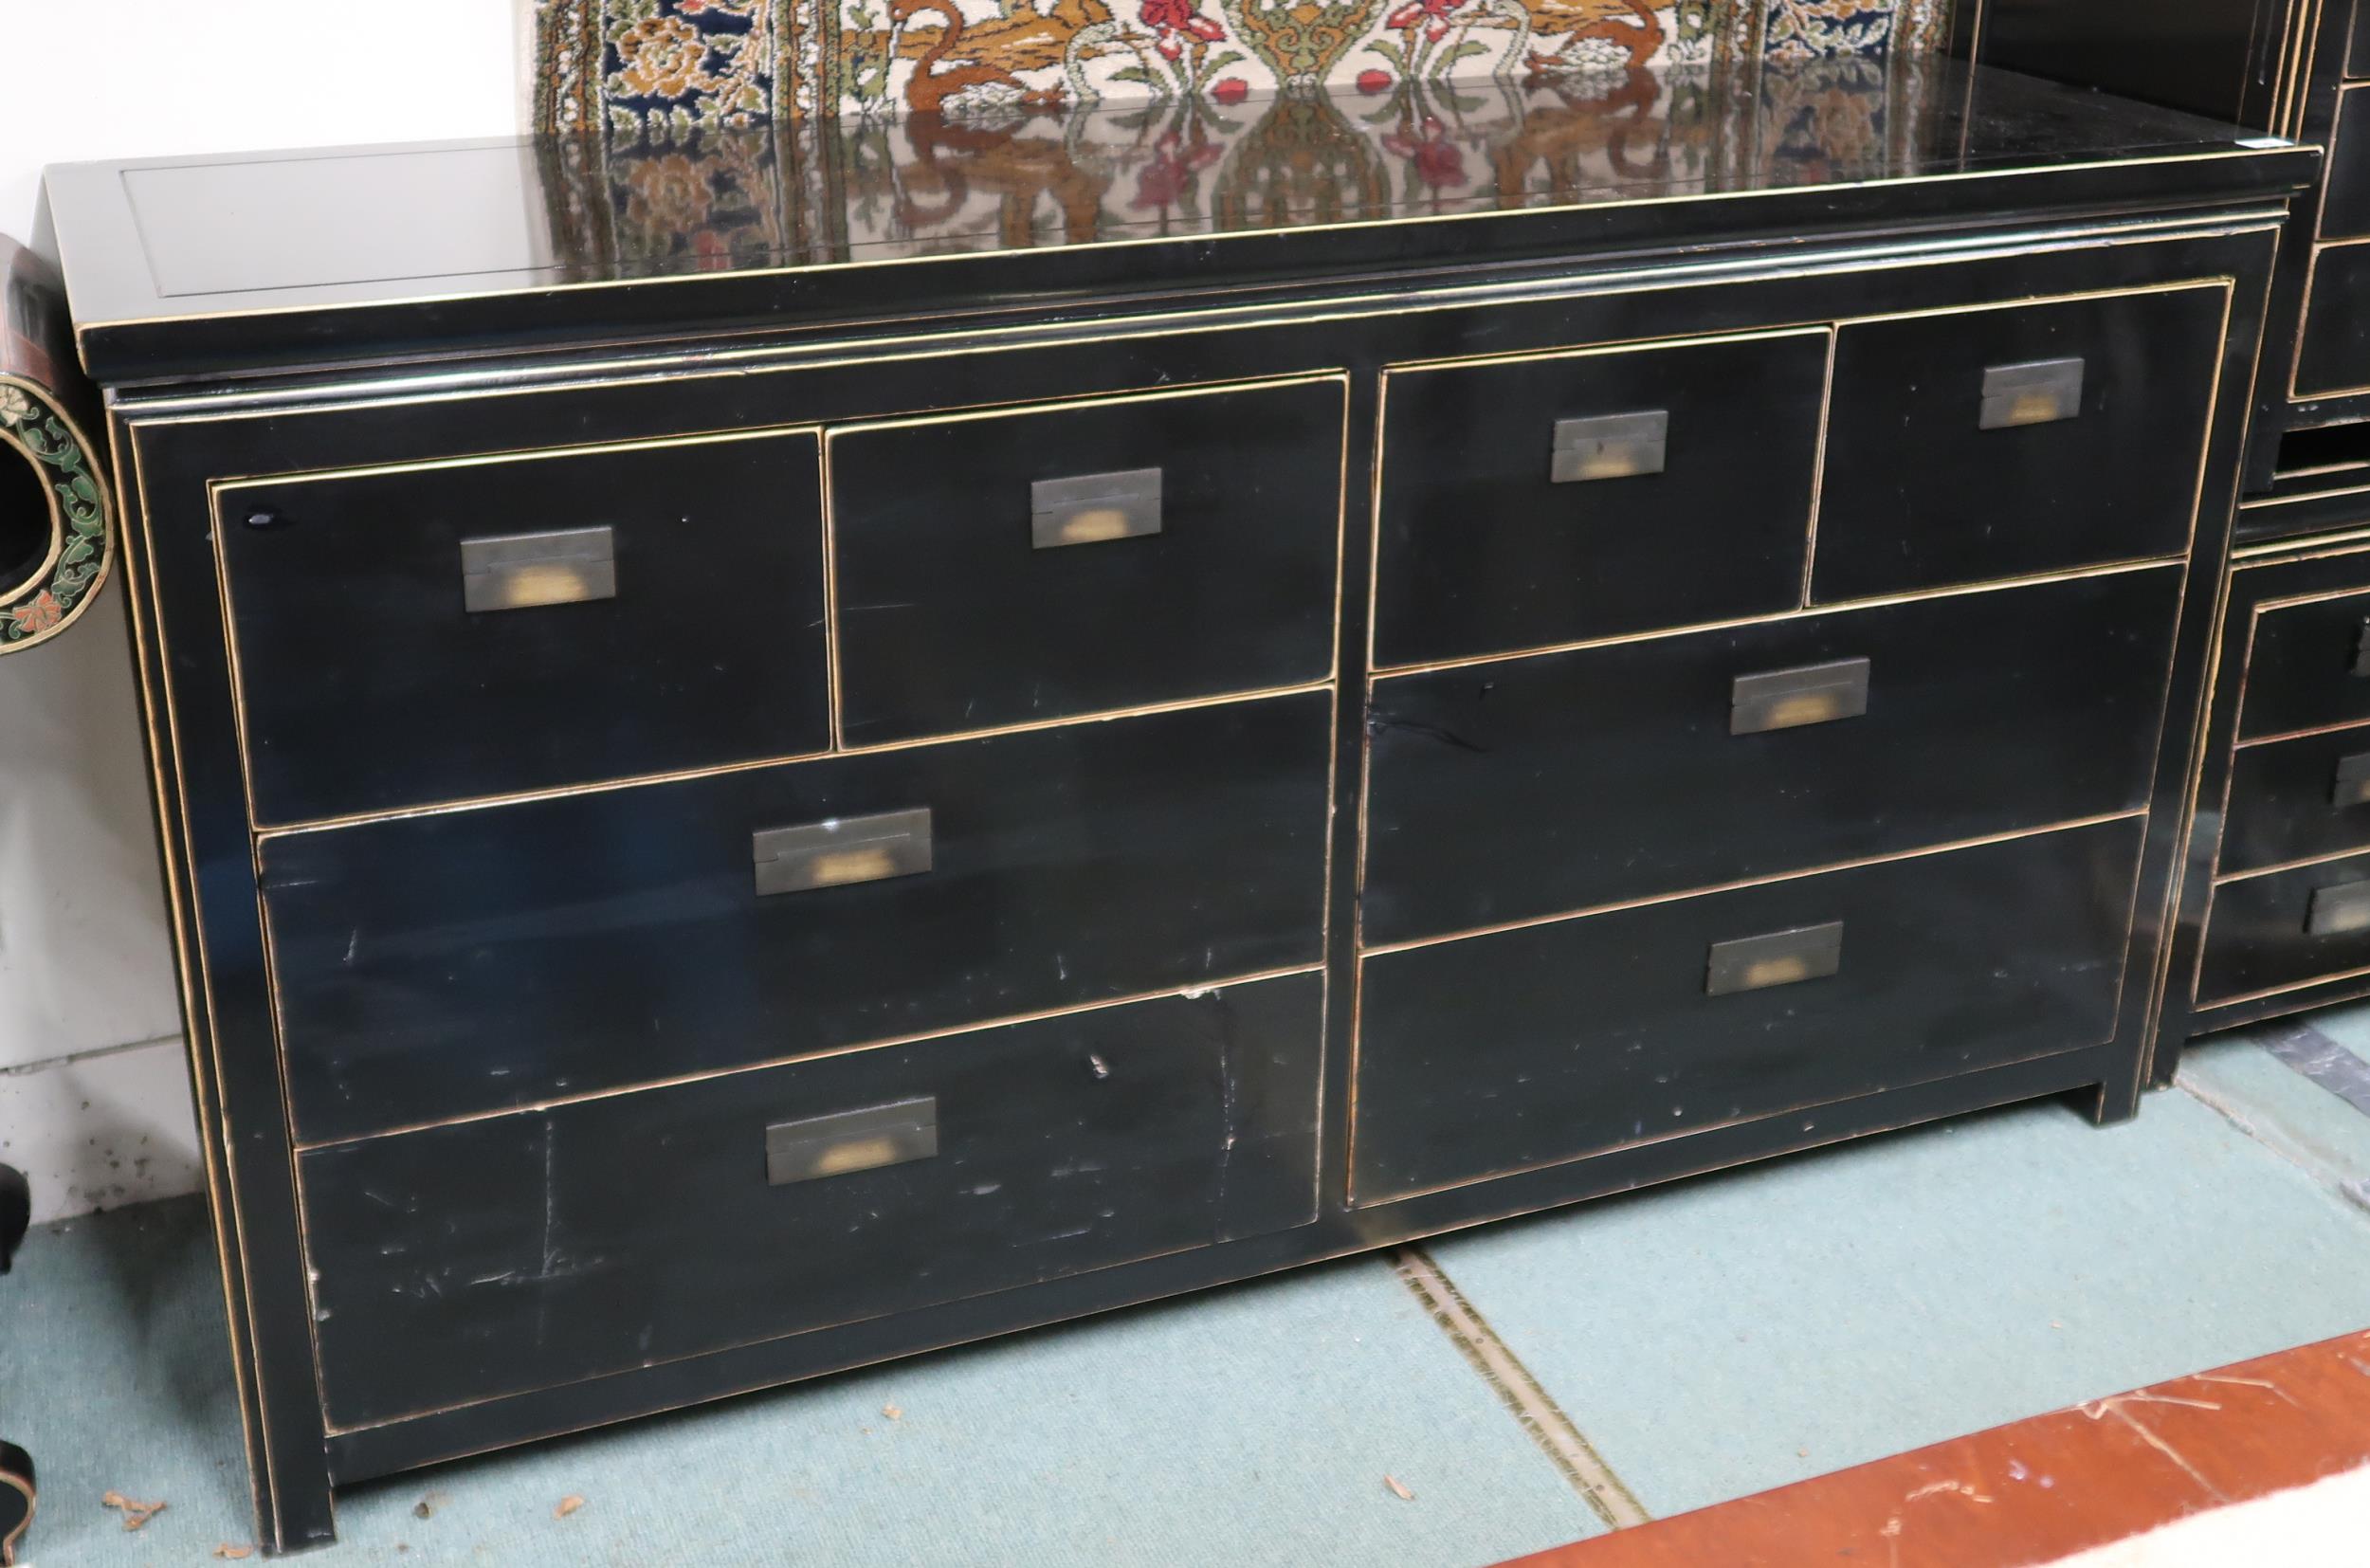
x,y
94,1087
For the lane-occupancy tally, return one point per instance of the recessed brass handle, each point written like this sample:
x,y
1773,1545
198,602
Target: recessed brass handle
x,y
1781,958
841,851
2039,392
1092,508
529,571
1789,699
1613,446
2349,783
2338,910
845,1142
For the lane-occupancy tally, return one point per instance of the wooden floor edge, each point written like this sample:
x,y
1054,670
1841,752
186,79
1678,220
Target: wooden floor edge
x,y
2038,1490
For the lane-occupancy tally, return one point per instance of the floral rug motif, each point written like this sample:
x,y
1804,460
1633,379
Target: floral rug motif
x,y
661,70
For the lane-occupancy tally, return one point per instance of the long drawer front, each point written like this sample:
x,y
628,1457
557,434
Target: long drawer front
x,y
455,964
1541,786
1498,1053
465,1262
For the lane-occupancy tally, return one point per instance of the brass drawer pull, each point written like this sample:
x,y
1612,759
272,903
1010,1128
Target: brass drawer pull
x,y
527,570
1789,699
2350,784
845,1142
1782,958
842,850
1613,446
2041,392
2335,911
1091,508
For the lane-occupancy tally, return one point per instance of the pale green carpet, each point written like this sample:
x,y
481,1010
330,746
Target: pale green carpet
x,y
1709,1338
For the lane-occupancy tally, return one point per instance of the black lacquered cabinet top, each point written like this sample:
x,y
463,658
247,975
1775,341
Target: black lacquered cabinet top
x,y
204,265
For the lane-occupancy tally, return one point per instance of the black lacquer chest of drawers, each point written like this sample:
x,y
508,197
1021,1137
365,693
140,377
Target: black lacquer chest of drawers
x,y
895,751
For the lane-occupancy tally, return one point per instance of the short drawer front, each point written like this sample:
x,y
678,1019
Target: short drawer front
x,y
457,964
1546,1044
2017,440
417,635
2333,342
1565,496
2345,191
1011,568
2297,800
2286,928
2307,667
1541,786
468,1262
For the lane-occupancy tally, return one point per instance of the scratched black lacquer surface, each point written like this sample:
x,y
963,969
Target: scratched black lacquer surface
x,y
2281,847
950,620
440,965
641,1227
490,1055
1554,1041
1920,494
448,703
1481,552
1510,790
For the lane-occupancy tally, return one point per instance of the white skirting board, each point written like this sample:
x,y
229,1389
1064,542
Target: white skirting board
x,y
102,1130
85,962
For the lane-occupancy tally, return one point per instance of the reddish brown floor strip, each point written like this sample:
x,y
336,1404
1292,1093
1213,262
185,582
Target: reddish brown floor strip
x,y
2037,1490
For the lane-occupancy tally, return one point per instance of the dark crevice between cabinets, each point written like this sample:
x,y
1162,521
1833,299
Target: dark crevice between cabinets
x,y
2323,457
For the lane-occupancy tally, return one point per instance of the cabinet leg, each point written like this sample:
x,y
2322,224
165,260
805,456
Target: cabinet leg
x,y
2115,1102
295,1517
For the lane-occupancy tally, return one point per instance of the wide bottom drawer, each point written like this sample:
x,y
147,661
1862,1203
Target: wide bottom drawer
x,y
464,1262
1492,1054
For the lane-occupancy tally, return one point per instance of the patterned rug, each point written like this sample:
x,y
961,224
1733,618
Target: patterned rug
x,y
660,70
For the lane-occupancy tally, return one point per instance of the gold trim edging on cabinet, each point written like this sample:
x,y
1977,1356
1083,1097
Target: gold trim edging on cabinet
x,y
153,667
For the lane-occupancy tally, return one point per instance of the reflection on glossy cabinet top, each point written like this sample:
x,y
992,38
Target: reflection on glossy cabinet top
x,y
298,244
664,68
